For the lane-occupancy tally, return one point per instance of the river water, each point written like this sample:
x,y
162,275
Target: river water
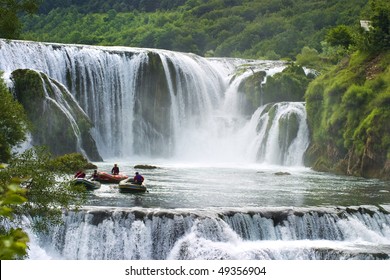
x,y
226,212
203,185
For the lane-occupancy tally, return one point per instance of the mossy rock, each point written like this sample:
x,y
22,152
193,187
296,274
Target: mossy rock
x,y
152,107
280,173
45,102
145,166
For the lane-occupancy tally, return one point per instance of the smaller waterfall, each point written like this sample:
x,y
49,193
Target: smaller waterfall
x,y
260,233
275,134
282,134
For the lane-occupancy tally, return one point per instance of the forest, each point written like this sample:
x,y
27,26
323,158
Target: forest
x,y
271,29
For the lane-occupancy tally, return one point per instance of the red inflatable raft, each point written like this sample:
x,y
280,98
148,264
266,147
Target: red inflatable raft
x,y
105,177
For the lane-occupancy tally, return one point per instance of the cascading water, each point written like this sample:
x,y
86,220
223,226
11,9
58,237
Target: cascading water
x,y
282,136
60,102
160,104
316,233
185,108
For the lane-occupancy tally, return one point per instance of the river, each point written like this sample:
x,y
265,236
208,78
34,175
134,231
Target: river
x,y
227,211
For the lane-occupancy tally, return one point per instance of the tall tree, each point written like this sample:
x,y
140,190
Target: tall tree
x,y
10,10
380,21
13,122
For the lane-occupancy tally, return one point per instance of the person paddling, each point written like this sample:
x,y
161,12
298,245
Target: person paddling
x,y
138,179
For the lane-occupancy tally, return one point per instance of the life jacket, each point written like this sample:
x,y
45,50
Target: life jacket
x,y
80,175
138,178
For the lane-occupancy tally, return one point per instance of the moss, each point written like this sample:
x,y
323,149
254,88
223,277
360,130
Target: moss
x,y
252,89
288,85
73,162
348,112
51,126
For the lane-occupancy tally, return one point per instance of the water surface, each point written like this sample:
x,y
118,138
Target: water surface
x,y
183,185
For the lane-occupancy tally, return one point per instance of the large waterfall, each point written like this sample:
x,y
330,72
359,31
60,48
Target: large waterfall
x,y
157,103
216,193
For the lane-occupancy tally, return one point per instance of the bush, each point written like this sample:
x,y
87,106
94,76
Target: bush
x,y
13,123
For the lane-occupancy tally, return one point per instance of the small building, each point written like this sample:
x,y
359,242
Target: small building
x,y
365,24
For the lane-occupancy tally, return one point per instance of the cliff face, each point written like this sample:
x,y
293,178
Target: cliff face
x,y
152,108
58,122
286,86
349,118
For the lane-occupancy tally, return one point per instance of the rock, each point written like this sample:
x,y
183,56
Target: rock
x,y
145,166
58,122
282,173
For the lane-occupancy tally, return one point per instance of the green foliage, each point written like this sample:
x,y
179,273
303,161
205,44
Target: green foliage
x,y
288,85
331,54
13,244
70,163
340,36
48,191
13,241
13,123
348,113
308,57
34,185
377,38
251,29
10,10
379,34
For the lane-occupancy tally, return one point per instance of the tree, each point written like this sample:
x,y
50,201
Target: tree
x,y
308,57
46,190
340,36
34,185
379,34
10,10
13,123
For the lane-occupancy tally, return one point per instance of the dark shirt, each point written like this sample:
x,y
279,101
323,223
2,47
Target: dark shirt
x,y
138,178
115,170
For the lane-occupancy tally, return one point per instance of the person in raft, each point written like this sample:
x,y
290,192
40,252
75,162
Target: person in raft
x,y
138,179
115,170
94,176
80,174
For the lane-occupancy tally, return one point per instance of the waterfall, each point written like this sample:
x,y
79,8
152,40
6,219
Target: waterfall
x,y
258,233
157,103
57,99
282,134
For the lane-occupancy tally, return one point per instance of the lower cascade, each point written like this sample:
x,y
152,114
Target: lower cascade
x,y
259,233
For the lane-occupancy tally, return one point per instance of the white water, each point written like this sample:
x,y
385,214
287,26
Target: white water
x,y
227,212
217,196
58,100
257,233
206,122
